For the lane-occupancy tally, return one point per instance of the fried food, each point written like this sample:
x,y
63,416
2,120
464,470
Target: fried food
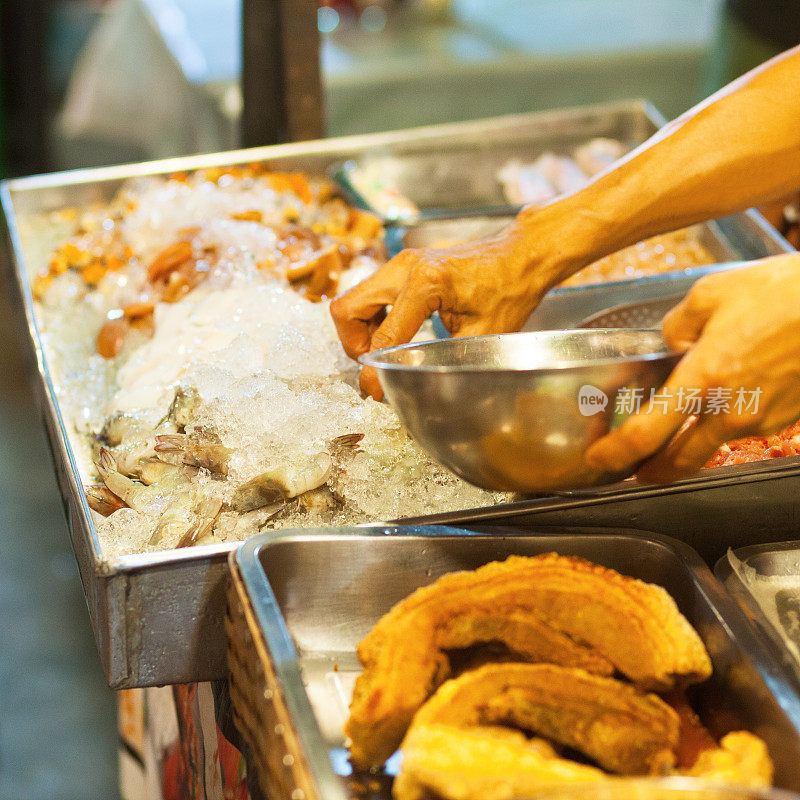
x,y
376,729
634,625
525,635
490,763
620,727
741,758
458,747
480,764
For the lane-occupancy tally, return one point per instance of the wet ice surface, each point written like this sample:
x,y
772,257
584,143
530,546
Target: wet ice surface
x,y
275,388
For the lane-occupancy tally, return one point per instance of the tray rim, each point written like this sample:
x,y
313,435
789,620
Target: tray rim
x,y
274,629
320,146
342,171
756,549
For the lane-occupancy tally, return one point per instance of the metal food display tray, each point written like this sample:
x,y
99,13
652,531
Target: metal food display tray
x,y
316,594
776,608
460,175
158,617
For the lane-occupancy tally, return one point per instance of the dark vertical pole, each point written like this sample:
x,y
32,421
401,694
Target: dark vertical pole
x,y
23,29
281,86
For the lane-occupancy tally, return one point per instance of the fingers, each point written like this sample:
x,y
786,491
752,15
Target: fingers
x,y
643,434
369,383
687,453
637,438
356,313
423,294
684,324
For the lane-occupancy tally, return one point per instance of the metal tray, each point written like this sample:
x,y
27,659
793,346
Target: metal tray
x,y
776,608
461,175
744,237
317,593
158,618
736,506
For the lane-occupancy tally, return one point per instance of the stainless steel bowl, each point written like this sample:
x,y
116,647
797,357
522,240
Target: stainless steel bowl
x,y
518,411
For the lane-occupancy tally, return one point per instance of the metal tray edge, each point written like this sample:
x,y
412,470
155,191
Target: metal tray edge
x,y
46,393
341,173
311,147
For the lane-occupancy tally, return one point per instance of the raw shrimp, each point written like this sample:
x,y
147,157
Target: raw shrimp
x,y
132,443
319,500
184,406
133,454
233,525
140,497
187,519
175,521
121,426
205,516
152,472
102,500
200,448
283,482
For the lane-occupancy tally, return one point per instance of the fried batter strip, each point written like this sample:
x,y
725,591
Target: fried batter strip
x,y
525,635
420,665
634,625
480,764
620,727
741,758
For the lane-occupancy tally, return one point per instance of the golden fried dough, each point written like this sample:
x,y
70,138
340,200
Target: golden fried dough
x,y
422,666
620,727
598,612
525,635
480,764
741,758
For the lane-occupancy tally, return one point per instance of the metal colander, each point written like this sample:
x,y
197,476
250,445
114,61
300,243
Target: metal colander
x,y
642,314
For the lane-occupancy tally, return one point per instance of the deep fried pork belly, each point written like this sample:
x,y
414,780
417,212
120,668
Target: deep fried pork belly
x,y
621,728
598,612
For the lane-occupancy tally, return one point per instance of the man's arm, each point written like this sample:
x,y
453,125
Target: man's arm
x,y
738,148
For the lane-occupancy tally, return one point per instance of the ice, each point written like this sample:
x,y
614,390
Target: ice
x,y
275,387
125,532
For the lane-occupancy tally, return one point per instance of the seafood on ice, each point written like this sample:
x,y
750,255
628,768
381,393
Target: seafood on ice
x,y
204,386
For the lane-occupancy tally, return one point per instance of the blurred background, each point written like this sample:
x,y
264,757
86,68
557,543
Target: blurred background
x,y
89,82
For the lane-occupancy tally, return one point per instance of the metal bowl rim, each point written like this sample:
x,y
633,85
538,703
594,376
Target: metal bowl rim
x,y
374,359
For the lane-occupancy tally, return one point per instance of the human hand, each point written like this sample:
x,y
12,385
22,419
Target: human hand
x,y
478,287
741,330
